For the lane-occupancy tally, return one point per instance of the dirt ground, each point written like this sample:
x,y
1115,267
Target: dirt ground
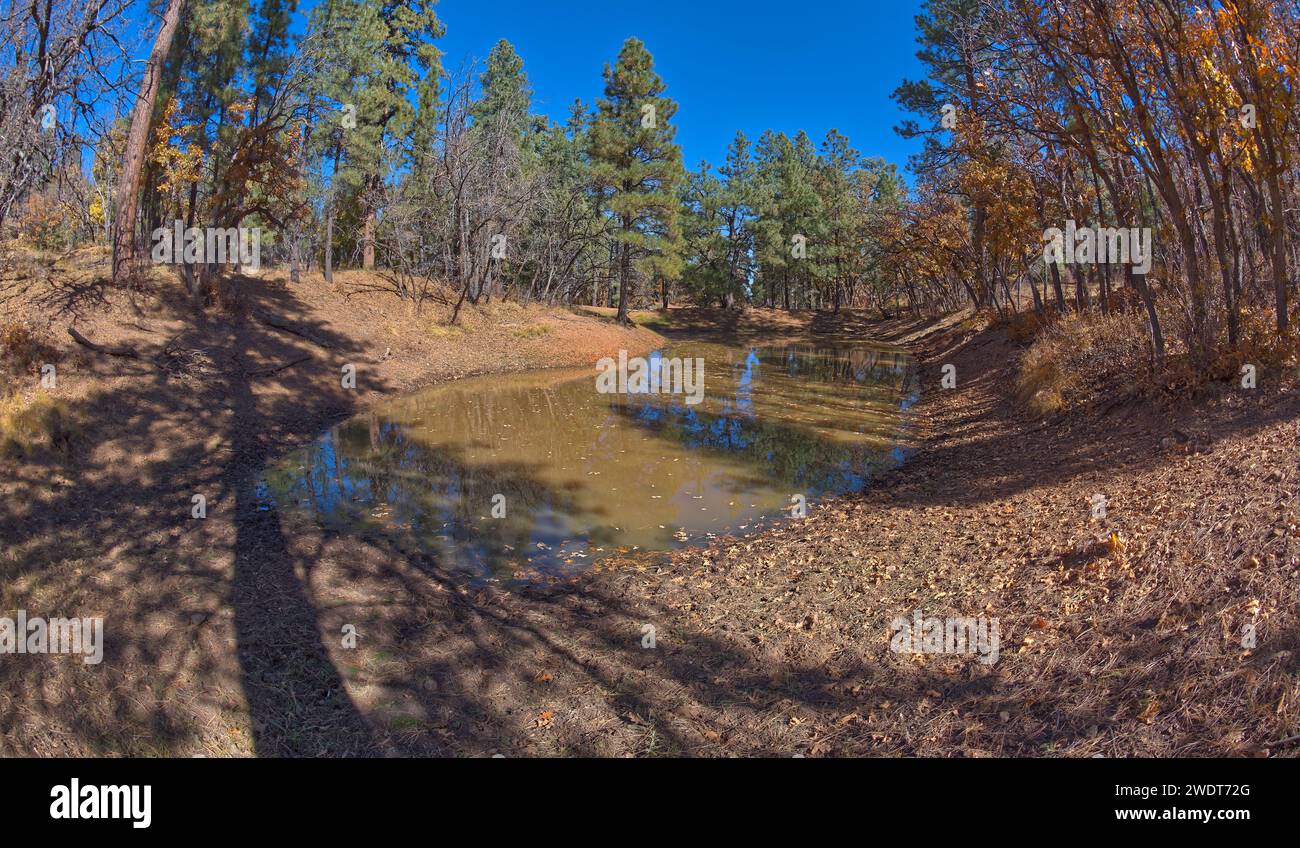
x,y
210,628
1118,636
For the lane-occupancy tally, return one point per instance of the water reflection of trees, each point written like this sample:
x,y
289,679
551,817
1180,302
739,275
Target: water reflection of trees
x,y
428,467
858,365
796,457
375,475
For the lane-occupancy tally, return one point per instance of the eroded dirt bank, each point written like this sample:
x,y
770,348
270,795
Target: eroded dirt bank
x,y
225,634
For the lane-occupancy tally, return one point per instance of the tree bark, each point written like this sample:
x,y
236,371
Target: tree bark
x,y
624,280
128,186
328,260
1277,232
368,243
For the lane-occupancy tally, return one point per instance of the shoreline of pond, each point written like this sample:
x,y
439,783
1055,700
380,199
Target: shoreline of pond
x,y
458,437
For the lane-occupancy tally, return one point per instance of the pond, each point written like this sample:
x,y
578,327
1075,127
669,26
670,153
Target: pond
x,y
515,476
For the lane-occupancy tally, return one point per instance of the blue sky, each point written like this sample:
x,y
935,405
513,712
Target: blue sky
x,y
808,64
729,64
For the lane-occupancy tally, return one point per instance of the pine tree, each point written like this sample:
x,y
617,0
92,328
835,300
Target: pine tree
x,y
506,96
738,201
717,225
791,231
705,275
268,49
636,166
841,220
770,252
385,52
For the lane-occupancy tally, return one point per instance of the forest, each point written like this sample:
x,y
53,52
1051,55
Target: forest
x,y
350,144
299,310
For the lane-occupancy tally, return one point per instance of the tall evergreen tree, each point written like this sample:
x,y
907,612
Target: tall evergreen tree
x,y
268,49
637,166
386,53
739,198
506,96
841,225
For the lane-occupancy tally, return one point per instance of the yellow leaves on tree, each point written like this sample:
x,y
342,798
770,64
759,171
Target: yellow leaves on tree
x,y
178,158
264,171
45,222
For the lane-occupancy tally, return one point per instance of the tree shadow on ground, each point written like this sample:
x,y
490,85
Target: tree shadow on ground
x,y
110,532
445,666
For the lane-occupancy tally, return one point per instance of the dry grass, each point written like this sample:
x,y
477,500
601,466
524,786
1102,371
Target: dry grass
x,y
531,331
41,421
1082,356
23,349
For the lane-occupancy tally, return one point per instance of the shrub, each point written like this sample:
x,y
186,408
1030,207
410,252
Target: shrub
x,y
531,331
21,346
22,349
1261,345
1024,327
47,224
1126,299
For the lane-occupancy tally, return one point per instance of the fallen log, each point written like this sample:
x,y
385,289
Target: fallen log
x,y
289,327
268,372
119,350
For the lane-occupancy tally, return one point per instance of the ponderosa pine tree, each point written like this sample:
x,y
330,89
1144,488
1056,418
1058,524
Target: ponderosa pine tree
x,y
384,52
717,228
791,236
840,247
705,276
738,199
505,96
128,187
407,56
636,167
956,50
268,49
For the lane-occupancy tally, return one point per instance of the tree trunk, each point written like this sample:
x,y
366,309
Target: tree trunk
x,y
1277,234
295,256
328,262
1057,289
624,279
128,185
193,280
295,231
329,244
368,242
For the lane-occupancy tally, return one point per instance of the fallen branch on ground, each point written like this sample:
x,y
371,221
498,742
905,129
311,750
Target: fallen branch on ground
x,y
286,326
120,350
267,372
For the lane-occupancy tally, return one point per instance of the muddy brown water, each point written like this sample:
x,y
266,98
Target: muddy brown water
x,y
519,475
